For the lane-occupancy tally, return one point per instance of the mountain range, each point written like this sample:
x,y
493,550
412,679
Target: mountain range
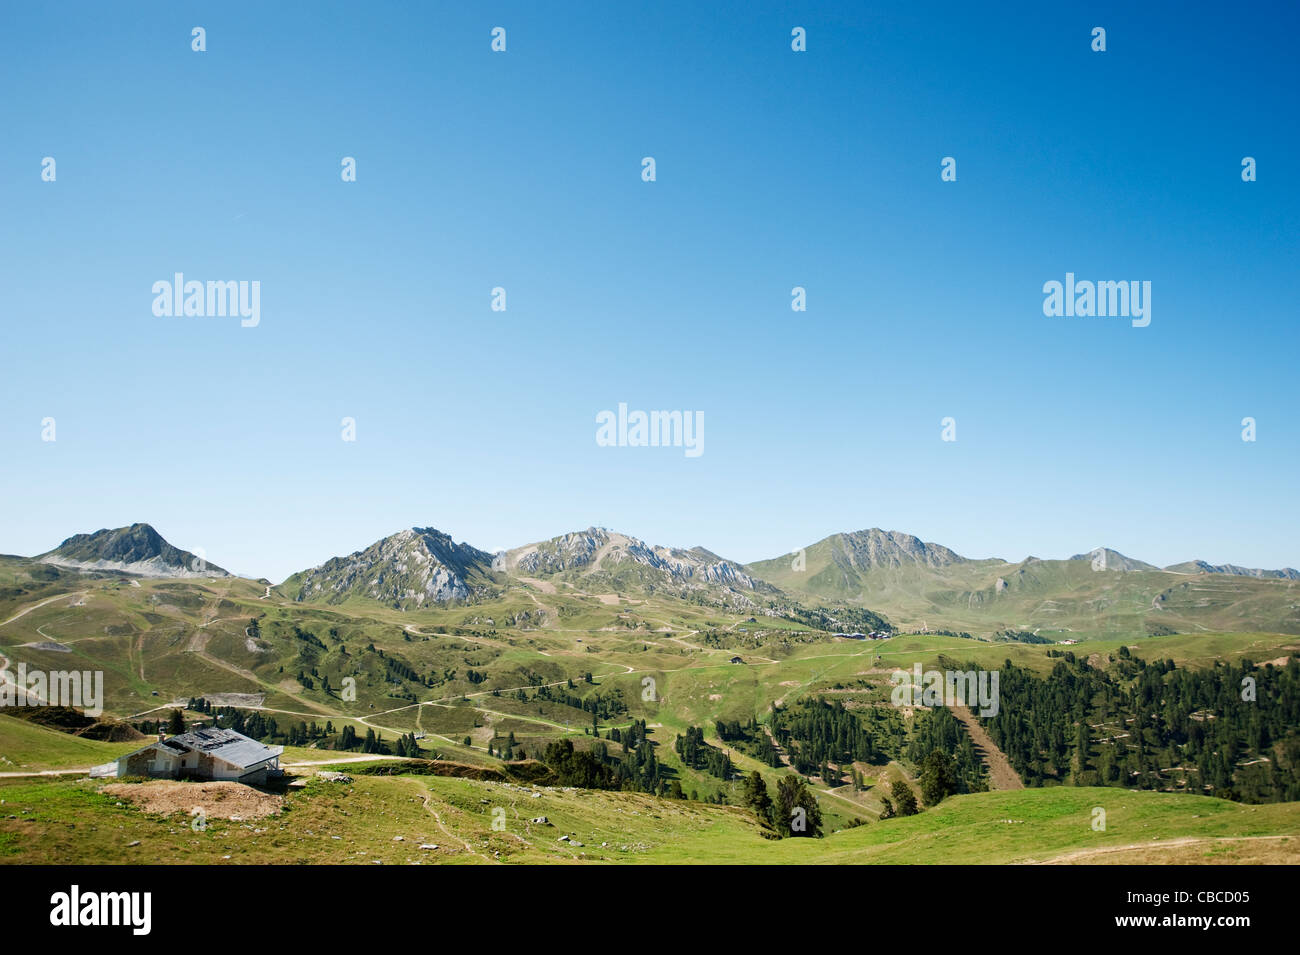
x,y
424,566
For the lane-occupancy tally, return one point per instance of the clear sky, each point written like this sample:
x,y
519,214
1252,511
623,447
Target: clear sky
x,y
775,169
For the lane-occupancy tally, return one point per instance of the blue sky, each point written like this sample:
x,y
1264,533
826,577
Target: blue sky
x,y
774,169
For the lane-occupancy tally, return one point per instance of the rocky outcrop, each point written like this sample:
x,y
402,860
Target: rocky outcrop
x,y
869,549
407,570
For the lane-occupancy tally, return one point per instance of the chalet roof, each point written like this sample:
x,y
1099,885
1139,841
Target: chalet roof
x,y
226,745
234,748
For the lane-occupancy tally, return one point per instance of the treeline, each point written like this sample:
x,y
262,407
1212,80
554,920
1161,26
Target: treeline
x,y
958,768
825,739
604,706
1020,636
750,739
1231,730
697,754
634,767
817,733
265,729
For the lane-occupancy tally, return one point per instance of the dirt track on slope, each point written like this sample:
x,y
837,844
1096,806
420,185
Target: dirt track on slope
x,y
1001,774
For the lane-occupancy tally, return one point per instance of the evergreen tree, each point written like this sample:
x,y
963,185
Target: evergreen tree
x,y
905,798
794,810
754,796
938,777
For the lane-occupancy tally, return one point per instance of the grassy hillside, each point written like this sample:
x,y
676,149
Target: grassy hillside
x,y
1060,598
63,820
534,663
27,747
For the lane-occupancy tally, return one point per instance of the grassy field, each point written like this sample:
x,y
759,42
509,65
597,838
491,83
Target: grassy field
x,y
58,820
26,747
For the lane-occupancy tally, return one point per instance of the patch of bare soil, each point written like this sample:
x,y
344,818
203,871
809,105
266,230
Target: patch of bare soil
x,y
545,586
218,799
1001,774
235,699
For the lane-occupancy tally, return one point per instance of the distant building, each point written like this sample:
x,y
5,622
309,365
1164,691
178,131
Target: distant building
x,y
737,660
203,754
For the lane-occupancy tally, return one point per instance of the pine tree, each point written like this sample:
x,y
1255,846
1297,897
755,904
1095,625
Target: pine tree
x,y
938,777
754,796
905,798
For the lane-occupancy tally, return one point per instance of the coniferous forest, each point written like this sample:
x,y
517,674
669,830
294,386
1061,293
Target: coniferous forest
x,y
1229,730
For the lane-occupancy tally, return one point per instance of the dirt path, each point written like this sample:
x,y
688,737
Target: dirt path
x,y
856,805
47,772
1001,774
781,754
544,586
21,692
451,836
370,758
256,681
139,652
1081,855
543,611
49,600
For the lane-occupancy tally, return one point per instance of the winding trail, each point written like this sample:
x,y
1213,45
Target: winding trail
x,y
36,606
427,798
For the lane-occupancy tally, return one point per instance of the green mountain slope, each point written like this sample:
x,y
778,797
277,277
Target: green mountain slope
x,y
1100,593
